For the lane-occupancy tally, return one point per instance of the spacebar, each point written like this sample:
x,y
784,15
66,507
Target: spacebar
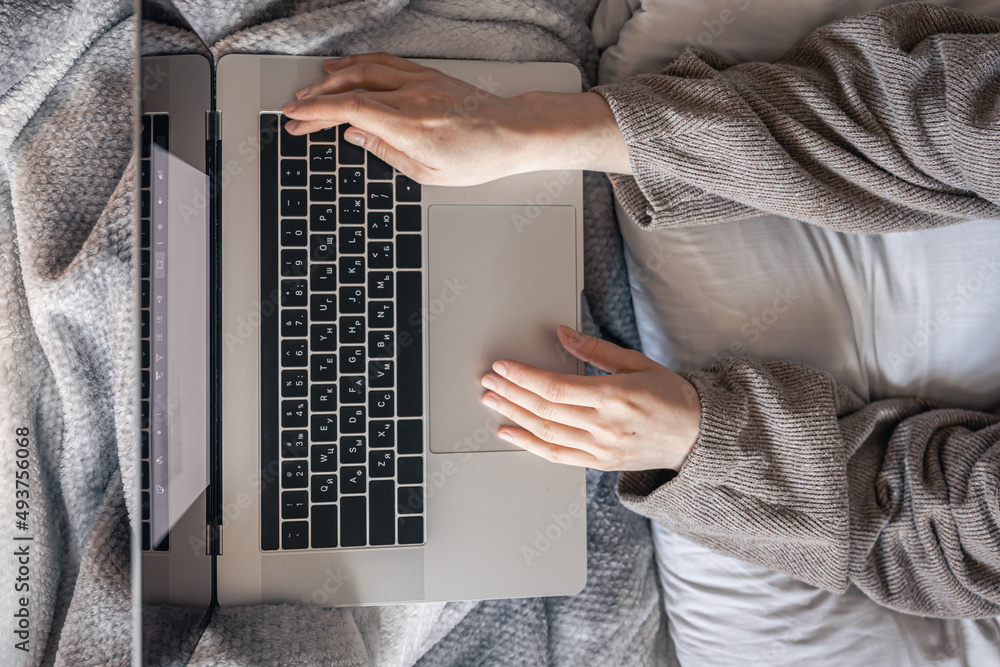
x,y
409,329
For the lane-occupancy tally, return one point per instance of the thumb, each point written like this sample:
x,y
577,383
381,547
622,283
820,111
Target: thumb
x,y
389,154
606,356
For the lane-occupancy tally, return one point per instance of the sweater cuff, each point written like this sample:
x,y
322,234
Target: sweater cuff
x,y
715,457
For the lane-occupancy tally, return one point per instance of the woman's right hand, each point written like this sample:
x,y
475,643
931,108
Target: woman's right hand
x,y
440,130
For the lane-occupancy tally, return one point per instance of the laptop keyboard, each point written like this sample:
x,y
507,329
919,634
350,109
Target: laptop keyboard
x,y
153,381
342,451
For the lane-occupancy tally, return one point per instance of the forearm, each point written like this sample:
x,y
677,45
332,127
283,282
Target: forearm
x,y
796,473
882,122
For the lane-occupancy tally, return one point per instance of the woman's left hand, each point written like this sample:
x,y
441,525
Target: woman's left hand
x,y
641,417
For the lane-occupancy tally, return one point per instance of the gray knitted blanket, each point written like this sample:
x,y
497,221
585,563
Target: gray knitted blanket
x,y
68,363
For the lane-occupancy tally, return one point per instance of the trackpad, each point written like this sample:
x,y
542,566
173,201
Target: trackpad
x,y
498,286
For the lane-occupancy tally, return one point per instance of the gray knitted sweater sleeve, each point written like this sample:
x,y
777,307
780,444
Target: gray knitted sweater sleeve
x,y
884,122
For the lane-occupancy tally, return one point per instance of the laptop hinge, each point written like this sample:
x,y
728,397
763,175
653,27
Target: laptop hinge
x,y
213,149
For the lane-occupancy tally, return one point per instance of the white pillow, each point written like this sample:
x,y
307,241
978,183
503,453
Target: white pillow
x,y
911,313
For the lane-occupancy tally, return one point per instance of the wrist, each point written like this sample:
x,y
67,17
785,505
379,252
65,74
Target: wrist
x,y
569,131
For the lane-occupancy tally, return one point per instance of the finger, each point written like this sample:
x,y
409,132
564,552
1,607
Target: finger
x,y
598,352
394,157
379,58
364,110
547,450
369,76
571,415
555,387
545,429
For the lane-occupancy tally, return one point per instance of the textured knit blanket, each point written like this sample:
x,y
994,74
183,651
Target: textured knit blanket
x,y
68,350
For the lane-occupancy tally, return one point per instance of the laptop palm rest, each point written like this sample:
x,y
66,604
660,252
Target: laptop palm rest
x,y
499,283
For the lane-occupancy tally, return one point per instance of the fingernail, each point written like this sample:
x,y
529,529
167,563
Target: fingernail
x,y
501,368
572,333
291,125
300,92
490,401
355,137
288,106
505,435
489,383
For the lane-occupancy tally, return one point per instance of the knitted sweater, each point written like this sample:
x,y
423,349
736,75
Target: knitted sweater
x,y
884,122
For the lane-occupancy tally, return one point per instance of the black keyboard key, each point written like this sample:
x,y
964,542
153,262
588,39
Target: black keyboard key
x,y
293,263
323,338
323,247
326,136
294,353
381,434
349,153
145,385
161,131
352,300
144,204
293,203
294,505
324,458
291,145
352,270
380,225
411,500
293,293
353,480
293,173
145,353
381,463
352,522
270,521
293,232
323,398
145,536
323,428
324,488
145,475
323,187
409,352
145,505
352,180
380,314
323,277
380,344
381,513
352,389
352,449
147,135
324,526
323,368
380,404
294,444
352,330
294,534
323,158
379,196
352,241
411,529
294,384
380,285
408,218
352,419
380,373
378,169
322,218
293,323
145,169
323,307
295,474
144,263
380,254
410,469
144,293
144,234
352,360
352,210
145,328
408,255
407,189
294,414
411,436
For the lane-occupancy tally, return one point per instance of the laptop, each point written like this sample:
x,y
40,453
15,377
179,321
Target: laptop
x,y
314,329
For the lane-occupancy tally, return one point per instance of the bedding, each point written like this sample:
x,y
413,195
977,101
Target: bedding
x,y
901,314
